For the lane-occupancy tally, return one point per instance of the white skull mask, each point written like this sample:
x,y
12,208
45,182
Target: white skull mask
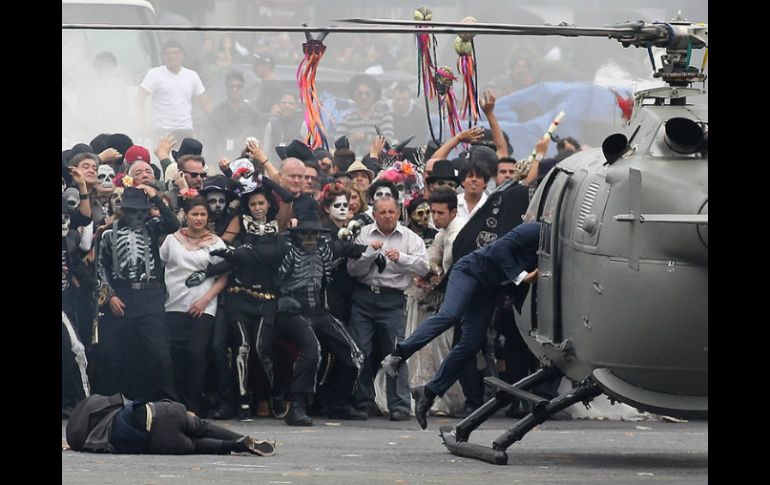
x,y
65,223
243,172
105,174
338,210
70,199
115,200
382,192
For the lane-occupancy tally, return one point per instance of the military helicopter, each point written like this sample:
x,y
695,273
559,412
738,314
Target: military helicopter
x,y
620,305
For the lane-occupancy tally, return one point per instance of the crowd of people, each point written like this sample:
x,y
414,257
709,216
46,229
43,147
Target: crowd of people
x,y
258,286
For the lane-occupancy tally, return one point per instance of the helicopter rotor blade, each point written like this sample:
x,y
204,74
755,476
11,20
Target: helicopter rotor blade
x,y
277,28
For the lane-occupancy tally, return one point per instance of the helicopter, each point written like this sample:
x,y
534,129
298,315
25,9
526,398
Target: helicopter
x,y
620,305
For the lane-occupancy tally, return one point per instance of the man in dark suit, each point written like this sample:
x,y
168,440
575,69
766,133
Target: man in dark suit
x,y
473,288
114,424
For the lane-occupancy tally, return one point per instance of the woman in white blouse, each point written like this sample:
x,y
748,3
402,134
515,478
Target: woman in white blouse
x,y
190,311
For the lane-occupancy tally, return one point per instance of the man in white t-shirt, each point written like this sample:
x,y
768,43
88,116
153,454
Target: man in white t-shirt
x,y
172,88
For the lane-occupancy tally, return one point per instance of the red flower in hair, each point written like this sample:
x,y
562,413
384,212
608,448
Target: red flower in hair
x,y
118,180
188,193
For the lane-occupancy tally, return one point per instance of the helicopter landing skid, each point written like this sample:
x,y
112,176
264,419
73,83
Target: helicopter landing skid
x,y
456,439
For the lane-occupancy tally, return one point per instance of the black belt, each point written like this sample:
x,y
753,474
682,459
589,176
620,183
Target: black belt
x,y
380,289
137,285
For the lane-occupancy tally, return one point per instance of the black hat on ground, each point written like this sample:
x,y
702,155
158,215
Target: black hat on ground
x,y
189,146
442,170
134,198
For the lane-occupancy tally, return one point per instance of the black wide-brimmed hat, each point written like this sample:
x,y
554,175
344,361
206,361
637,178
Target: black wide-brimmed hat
x,y
67,155
189,146
296,149
218,183
443,170
134,198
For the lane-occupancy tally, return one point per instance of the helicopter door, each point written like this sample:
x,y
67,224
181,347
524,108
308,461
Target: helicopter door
x,y
549,278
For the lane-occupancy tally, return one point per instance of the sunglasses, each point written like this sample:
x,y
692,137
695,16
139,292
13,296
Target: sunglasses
x,y
202,175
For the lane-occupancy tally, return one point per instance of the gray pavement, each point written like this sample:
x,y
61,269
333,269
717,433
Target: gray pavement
x,y
399,453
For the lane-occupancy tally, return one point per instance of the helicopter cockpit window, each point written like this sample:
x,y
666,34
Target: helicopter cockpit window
x,y
660,149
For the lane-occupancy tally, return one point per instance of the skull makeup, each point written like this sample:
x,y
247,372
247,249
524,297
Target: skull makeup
x,y
115,200
243,172
65,223
65,214
217,203
383,192
308,240
421,215
338,210
70,199
134,218
105,174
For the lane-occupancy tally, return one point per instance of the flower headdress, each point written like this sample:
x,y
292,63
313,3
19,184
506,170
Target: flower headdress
x,y
189,193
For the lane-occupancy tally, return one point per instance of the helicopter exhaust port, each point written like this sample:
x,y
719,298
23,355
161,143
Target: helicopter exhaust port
x,y
614,146
684,136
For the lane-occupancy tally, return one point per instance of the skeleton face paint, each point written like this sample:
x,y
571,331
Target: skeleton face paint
x,y
134,217
104,175
217,203
421,215
308,240
116,199
65,223
338,210
382,192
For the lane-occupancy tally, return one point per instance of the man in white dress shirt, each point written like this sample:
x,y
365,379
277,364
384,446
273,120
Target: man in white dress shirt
x,y
394,255
474,177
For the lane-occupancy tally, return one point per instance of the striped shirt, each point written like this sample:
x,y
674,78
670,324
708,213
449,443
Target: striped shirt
x,y
354,122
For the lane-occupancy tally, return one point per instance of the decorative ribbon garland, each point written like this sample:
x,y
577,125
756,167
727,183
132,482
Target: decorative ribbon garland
x,y
447,101
306,73
466,65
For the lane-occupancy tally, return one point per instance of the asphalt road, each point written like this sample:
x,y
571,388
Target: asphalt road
x,y
399,453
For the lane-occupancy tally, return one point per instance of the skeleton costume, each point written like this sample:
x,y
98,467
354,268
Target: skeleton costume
x,y
75,384
305,271
251,294
135,345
